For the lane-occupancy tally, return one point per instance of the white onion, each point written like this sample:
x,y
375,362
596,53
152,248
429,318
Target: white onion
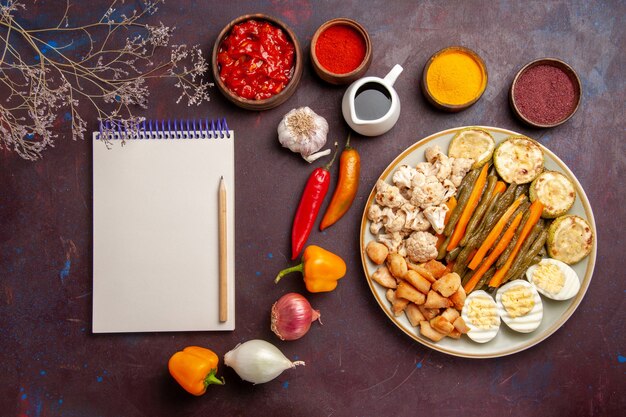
x,y
292,316
258,361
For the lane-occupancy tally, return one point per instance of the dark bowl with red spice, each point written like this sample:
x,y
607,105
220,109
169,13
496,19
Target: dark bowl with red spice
x,y
256,81
545,93
341,51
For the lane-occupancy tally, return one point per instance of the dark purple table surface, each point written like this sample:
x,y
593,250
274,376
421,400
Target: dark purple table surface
x,y
358,363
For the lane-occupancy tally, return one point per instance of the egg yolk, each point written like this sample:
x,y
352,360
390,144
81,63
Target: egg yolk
x,y
518,301
549,278
482,313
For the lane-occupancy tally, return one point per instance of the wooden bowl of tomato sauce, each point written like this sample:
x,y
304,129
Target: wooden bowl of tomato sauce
x,y
245,77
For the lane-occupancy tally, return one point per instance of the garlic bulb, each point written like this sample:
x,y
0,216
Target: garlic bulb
x,y
304,131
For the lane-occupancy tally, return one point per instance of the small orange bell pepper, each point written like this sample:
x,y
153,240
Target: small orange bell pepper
x,y
321,269
194,369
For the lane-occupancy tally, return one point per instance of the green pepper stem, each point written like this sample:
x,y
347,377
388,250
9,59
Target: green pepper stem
x,y
328,165
296,268
211,379
348,141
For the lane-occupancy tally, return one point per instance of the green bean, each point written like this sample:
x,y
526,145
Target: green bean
x,y
462,201
485,278
523,260
442,250
492,203
466,277
461,188
521,189
502,206
462,259
451,256
522,208
504,203
480,209
507,252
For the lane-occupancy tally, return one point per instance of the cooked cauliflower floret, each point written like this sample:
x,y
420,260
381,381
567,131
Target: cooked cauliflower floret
x,y
429,193
415,220
460,167
394,222
406,193
391,240
436,215
426,168
402,249
431,153
374,213
388,195
421,247
375,227
402,176
449,188
442,166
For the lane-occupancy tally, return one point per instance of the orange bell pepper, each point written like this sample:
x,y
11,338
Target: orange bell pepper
x,y
321,269
194,369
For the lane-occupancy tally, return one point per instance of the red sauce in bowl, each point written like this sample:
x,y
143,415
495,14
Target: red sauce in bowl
x,y
256,60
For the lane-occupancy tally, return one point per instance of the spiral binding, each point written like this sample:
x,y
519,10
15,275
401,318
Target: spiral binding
x,y
166,129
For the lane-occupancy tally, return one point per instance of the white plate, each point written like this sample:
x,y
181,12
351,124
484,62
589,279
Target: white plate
x,y
507,341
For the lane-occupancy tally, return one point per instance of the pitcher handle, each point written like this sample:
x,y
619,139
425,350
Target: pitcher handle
x,y
393,74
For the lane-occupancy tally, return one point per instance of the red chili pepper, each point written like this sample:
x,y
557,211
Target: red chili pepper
x,y
315,190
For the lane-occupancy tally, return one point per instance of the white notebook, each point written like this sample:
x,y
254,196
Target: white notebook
x,y
155,227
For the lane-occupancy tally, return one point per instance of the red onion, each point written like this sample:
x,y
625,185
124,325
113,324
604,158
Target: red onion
x,y
292,316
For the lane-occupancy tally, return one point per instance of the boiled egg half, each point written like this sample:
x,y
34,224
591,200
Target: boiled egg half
x,y
554,279
480,314
520,306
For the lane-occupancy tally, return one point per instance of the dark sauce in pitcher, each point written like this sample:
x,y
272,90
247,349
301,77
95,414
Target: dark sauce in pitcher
x,y
372,101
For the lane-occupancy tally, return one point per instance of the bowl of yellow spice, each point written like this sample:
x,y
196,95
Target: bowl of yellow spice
x,y
454,78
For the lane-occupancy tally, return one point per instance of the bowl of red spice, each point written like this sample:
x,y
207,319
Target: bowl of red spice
x,y
545,93
257,62
341,51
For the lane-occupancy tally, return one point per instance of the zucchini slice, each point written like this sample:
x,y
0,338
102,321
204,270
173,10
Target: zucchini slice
x,y
555,191
570,239
518,159
473,143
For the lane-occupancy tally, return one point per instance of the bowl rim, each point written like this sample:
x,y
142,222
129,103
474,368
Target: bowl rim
x,y
343,21
555,62
274,100
454,107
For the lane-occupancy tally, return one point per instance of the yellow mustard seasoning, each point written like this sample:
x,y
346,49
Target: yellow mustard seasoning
x,y
456,77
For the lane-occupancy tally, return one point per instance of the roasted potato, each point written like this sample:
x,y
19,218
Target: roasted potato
x,y
427,331
436,268
442,325
429,313
383,277
414,314
425,273
377,252
407,291
448,284
396,264
418,281
450,314
460,325
434,300
458,298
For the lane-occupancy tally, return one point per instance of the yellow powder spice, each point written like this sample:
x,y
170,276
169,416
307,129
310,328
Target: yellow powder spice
x,y
455,77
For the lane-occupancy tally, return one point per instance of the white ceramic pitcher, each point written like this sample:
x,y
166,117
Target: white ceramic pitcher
x,y
384,123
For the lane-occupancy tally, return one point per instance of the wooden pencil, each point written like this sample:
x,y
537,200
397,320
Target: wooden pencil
x,y
223,295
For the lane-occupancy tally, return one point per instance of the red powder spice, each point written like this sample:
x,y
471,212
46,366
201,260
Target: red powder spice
x,y
340,49
545,94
